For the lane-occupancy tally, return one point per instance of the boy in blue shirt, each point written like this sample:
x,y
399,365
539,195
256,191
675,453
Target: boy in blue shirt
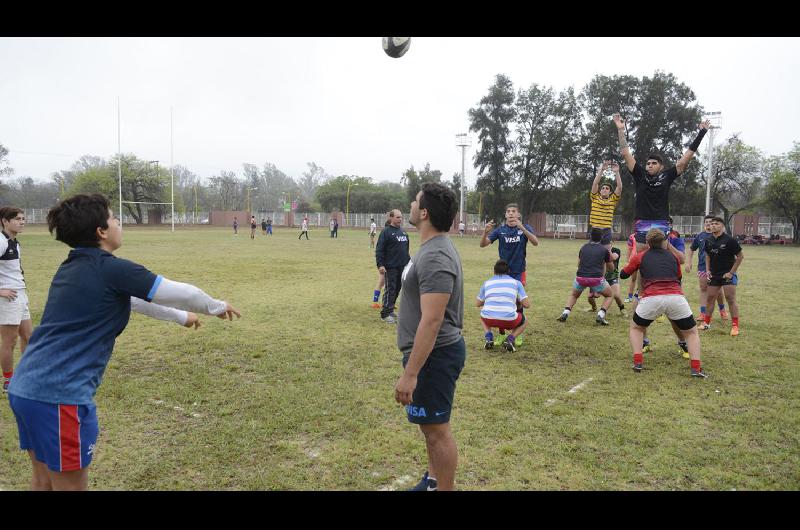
x,y
88,306
513,236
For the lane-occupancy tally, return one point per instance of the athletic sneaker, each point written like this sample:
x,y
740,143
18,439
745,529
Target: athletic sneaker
x,y
723,314
661,318
426,484
563,317
703,326
376,305
509,346
646,348
5,386
389,319
734,331
489,345
602,321
701,374
637,367
629,299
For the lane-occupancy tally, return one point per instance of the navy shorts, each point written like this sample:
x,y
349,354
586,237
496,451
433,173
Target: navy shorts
x,y
719,281
61,436
607,236
432,400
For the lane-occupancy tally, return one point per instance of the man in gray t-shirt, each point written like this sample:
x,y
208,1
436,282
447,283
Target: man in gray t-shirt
x,y
429,333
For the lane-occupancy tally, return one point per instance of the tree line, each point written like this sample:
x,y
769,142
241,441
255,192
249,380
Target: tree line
x,y
537,146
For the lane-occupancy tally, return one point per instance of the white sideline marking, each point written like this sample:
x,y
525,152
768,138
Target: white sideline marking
x,y
398,482
580,386
572,390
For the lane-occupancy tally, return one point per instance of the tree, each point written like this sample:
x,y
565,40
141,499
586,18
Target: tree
x,y
491,119
736,184
547,145
332,195
313,177
413,180
5,169
225,191
782,192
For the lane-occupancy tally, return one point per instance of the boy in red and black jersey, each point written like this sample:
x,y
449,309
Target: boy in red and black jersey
x,y
660,272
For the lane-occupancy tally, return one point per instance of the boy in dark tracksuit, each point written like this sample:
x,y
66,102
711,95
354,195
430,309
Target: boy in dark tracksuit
x,y
391,256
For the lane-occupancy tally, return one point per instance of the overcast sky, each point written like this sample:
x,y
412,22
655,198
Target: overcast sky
x,y
341,102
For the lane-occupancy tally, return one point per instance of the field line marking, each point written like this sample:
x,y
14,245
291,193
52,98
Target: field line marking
x,y
572,390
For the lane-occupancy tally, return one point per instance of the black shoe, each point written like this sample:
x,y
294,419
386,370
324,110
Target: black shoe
x,y
637,368
426,484
701,374
509,346
489,345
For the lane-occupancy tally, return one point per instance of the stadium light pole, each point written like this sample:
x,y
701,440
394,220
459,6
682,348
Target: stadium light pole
x,y
716,120
462,141
171,174
347,203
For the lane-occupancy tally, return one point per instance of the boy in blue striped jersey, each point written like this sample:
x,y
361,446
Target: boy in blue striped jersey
x,y
501,300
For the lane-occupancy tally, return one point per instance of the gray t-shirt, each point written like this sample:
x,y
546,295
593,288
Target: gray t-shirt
x,y
436,268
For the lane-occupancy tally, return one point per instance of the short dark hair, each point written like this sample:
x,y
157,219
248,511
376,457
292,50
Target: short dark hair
x,y
718,219
7,213
501,267
512,205
76,220
669,219
658,158
440,201
708,216
596,234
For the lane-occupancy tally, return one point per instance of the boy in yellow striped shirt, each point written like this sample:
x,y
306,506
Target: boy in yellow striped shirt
x,y
604,202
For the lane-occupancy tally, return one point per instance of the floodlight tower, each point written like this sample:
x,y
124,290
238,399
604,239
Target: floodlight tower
x,y
716,123
463,141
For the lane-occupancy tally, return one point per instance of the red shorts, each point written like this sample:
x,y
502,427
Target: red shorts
x,y
504,324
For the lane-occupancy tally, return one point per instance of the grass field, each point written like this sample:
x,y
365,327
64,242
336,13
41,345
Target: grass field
x,y
298,394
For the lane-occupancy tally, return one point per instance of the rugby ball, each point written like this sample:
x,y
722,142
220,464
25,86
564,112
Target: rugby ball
x,y
396,47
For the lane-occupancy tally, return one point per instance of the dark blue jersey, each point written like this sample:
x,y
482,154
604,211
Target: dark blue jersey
x,y
512,247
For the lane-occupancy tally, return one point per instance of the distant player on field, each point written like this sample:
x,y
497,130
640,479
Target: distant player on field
x,y
373,229
253,227
88,306
604,202
303,228
235,226
514,236
264,226
15,316
594,260
698,244
499,298
723,257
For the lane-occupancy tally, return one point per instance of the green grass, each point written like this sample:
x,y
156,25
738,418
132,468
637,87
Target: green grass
x,y
298,394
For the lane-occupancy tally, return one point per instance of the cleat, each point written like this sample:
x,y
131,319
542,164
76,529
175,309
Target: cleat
x,y
5,386
723,314
704,326
637,368
489,345
389,319
376,305
646,346
628,300
734,331
422,485
602,321
563,317
684,349
701,374
509,346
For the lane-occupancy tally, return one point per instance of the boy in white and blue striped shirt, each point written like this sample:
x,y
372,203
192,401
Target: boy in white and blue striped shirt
x,y
501,300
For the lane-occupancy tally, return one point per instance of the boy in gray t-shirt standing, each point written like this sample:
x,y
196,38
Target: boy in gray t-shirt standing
x,y
429,333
